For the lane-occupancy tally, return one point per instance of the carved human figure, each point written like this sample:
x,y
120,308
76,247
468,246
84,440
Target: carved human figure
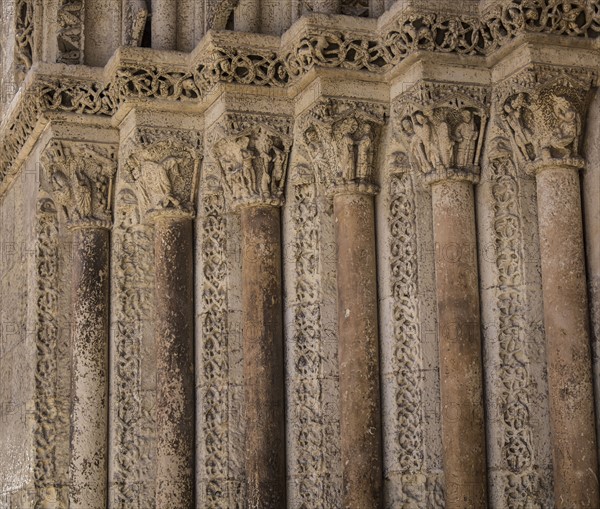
x,y
160,186
466,139
248,170
62,190
565,136
443,150
364,158
264,144
82,192
512,115
345,144
425,140
278,171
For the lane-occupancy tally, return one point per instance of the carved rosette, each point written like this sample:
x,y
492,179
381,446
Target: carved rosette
x,y
164,167
341,137
80,177
441,128
252,152
543,112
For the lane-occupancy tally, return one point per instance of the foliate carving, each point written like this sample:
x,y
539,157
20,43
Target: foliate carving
x,y
214,367
80,176
165,170
46,410
441,127
523,482
253,154
132,290
69,37
543,113
341,139
24,34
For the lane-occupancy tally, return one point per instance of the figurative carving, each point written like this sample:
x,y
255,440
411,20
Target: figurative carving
x,y
254,164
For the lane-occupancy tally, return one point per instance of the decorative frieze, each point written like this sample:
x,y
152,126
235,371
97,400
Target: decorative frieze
x,y
80,176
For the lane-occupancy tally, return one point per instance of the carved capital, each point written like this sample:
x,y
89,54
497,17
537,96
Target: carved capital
x,y
543,111
341,139
80,177
440,127
252,152
163,165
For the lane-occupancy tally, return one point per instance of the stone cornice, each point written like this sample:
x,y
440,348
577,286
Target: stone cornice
x,y
316,41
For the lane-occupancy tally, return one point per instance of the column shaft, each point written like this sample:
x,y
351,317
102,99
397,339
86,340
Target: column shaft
x,y
164,24
457,289
175,413
90,294
263,356
568,340
361,447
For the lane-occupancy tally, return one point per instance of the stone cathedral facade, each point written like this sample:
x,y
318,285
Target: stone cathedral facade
x,y
304,254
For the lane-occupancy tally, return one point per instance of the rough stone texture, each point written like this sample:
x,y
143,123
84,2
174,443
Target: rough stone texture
x,y
461,384
567,336
89,411
282,105
262,330
358,350
174,362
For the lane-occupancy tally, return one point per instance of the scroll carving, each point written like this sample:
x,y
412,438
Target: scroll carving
x,y
70,32
544,116
24,35
165,172
47,412
214,367
132,288
80,176
442,128
253,158
341,139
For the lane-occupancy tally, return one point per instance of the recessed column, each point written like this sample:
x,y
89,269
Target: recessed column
x,y
164,24
165,173
253,164
566,322
80,176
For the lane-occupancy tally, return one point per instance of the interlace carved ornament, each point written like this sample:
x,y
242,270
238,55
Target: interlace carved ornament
x,y
253,154
80,176
24,35
441,127
164,166
543,112
341,138
69,38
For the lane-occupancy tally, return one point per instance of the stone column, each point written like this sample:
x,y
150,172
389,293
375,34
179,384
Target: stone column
x,y
443,137
80,176
566,322
348,177
327,6
548,145
459,340
166,175
247,16
164,24
260,156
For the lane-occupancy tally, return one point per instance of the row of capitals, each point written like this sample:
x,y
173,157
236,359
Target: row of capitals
x,y
440,128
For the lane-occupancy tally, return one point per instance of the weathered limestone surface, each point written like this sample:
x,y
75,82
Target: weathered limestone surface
x,y
299,253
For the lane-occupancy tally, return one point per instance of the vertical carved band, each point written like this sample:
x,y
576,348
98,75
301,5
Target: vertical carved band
x,y
24,24
70,35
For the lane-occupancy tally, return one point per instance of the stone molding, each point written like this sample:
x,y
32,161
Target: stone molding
x,y
341,137
441,128
543,113
80,177
252,152
163,165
